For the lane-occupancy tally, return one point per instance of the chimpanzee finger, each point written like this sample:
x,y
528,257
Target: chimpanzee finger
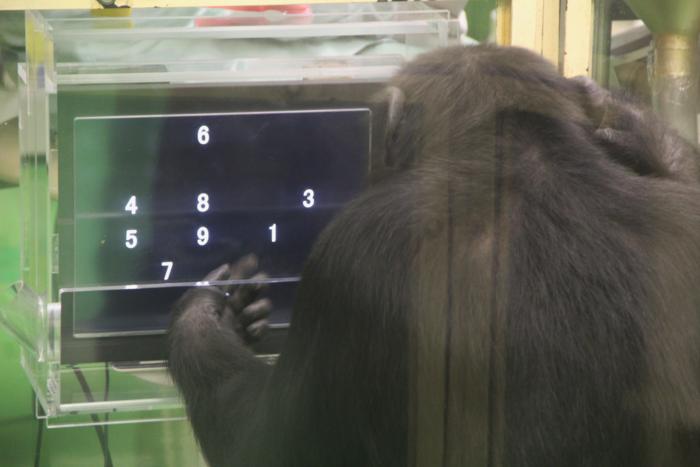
x,y
221,273
256,311
257,330
240,270
244,267
246,294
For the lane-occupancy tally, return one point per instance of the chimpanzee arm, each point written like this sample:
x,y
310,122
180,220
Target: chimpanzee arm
x,y
219,376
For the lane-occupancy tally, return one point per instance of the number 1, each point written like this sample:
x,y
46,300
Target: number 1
x,y
273,232
168,265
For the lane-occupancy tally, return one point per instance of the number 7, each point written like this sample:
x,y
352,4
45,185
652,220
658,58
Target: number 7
x,y
168,265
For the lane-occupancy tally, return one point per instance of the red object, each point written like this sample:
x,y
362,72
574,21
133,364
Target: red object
x,y
291,9
302,11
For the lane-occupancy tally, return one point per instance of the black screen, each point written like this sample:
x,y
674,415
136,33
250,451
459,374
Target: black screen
x,y
166,199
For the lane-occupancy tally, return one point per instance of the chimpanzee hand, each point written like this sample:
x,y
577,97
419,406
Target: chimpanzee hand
x,y
244,310
236,307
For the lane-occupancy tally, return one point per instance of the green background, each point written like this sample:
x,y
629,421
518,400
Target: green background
x,y
146,444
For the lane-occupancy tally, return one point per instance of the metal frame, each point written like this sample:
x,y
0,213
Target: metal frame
x,y
536,26
559,30
578,38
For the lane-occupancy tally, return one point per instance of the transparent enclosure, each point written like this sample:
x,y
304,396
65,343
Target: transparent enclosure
x,y
649,49
155,147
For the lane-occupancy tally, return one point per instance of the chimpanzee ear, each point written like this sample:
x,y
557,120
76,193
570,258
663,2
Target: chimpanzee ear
x,y
620,130
593,99
394,101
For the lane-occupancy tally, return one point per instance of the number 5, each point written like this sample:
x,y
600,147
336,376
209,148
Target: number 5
x,y
131,239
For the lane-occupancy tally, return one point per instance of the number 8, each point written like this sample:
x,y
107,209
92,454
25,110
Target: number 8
x,y
202,202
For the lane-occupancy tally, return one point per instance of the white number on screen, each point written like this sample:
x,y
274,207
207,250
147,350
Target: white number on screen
x,y
131,240
309,200
273,232
202,236
131,205
168,265
203,135
202,202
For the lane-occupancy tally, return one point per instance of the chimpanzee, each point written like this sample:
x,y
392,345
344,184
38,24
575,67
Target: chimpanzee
x,y
518,287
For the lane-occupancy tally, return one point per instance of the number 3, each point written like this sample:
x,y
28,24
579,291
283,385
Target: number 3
x,y
309,200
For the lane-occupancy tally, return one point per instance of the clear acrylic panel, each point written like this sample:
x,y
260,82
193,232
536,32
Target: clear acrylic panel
x,y
135,129
649,49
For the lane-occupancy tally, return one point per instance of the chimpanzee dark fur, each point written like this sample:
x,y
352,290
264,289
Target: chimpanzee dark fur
x,y
520,288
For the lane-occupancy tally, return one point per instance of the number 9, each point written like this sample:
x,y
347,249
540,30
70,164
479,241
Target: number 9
x,y
202,236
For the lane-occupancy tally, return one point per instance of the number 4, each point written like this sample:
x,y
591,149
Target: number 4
x,y
168,265
131,205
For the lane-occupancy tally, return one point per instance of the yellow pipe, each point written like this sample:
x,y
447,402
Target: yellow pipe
x,y
504,22
675,81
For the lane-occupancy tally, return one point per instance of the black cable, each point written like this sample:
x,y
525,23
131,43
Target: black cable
x,y
95,419
105,398
39,435
495,329
448,321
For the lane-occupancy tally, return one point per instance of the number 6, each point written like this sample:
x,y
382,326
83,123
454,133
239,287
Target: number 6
x,y
203,135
